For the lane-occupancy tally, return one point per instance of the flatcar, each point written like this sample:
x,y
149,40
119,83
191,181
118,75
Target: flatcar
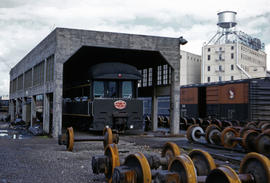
x,y
243,100
107,98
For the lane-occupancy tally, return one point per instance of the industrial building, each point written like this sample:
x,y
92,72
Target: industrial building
x,y
190,68
232,54
39,78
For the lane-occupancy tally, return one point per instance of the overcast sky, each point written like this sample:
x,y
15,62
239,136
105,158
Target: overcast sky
x,y
24,23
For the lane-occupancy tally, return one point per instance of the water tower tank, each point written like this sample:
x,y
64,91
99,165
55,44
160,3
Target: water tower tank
x,y
226,19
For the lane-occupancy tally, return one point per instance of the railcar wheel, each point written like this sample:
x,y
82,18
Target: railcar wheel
x,y
226,124
70,139
257,165
108,137
251,125
193,121
261,123
188,133
170,150
248,141
243,130
235,123
111,151
223,174
202,161
185,168
62,139
199,121
265,127
205,124
212,134
191,133
183,123
263,144
139,163
226,136
217,122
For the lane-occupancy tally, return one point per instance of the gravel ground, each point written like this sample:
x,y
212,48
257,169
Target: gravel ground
x,y
41,159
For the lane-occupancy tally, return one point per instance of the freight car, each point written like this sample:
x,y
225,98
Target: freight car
x,y
108,97
243,100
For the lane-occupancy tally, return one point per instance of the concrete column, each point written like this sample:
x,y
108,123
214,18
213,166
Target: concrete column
x,y
17,108
57,99
175,102
24,109
33,110
154,110
11,110
154,101
46,113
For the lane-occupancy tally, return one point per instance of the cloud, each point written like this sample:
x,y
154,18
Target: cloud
x,y
25,23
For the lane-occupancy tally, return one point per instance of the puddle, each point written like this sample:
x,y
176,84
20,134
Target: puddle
x,y
13,134
3,134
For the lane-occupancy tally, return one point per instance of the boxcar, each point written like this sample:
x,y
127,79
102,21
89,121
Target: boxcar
x,y
244,100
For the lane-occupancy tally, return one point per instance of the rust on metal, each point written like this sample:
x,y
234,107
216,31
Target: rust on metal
x,y
70,137
202,161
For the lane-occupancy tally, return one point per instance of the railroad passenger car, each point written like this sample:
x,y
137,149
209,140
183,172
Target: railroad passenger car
x,y
108,97
243,100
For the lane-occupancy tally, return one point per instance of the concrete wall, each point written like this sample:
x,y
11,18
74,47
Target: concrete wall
x,y
190,68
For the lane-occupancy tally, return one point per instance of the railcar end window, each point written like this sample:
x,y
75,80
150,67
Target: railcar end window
x,y
98,89
112,92
127,89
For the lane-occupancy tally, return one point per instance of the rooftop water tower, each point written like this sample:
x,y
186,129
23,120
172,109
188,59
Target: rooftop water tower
x,y
226,19
226,28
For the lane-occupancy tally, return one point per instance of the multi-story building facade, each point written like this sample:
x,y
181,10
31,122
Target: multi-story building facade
x,y
190,68
232,62
231,54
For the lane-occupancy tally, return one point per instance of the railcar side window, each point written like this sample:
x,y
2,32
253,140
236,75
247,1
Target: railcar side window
x,y
98,89
127,89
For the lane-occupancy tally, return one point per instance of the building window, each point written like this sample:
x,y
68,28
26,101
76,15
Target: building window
x,y
219,78
209,49
220,68
232,47
180,56
140,81
159,75
208,57
220,56
188,57
220,48
208,68
208,79
38,78
50,68
165,74
231,77
150,75
232,55
232,67
144,77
